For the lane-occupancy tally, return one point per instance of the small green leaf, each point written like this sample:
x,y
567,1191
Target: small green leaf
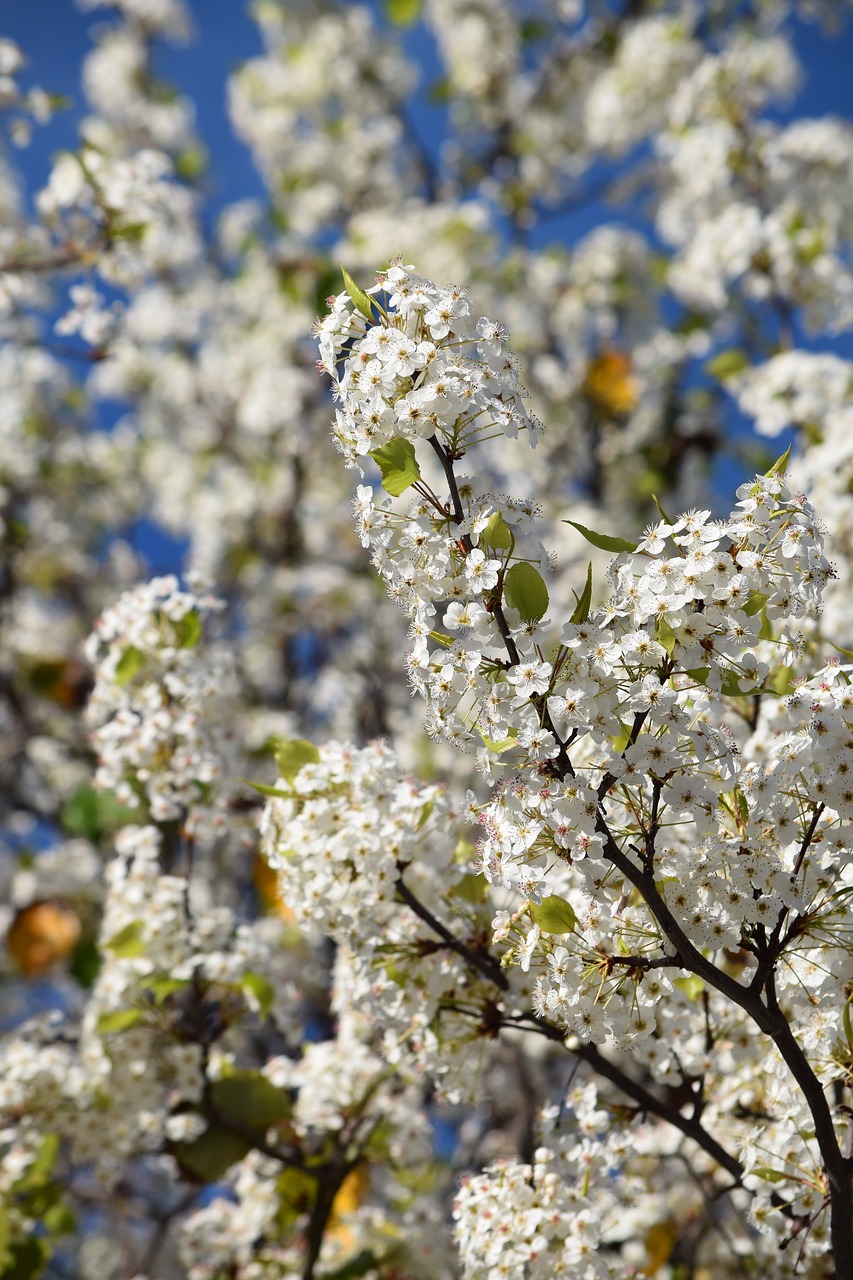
x,y
127,943
664,635
440,638
660,509
250,1100
129,664
398,464
471,888
264,790
94,813
26,1260
699,674
162,988
361,1265
497,534
212,1154
581,611
604,541
730,686
780,466
403,12
261,989
292,755
59,1220
769,1175
727,363
189,629
553,915
691,986
781,680
118,1021
497,745
360,299
756,600
85,963
525,591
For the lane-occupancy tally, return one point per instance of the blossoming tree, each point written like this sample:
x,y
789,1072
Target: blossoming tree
x,y
546,973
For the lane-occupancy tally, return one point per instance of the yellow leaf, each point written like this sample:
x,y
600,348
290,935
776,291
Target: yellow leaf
x,y
611,385
660,1241
40,935
350,1195
268,886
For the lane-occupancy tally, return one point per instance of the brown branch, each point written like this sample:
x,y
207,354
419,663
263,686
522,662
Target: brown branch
x,y
483,963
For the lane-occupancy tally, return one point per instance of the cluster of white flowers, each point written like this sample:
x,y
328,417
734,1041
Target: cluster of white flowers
x,y
426,367
318,110
129,210
349,837
658,894
158,695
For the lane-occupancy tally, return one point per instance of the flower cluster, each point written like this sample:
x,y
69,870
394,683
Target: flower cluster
x,y
158,694
426,367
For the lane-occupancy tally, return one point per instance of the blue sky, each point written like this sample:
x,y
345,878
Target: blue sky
x,y
54,35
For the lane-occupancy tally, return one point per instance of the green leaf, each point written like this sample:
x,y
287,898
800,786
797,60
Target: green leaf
x,y
845,653
85,963
292,755
534,29
41,1169
249,1100
581,611
398,464
261,989
264,790
211,1156
162,988
59,1220
769,1175
403,12
440,638
297,1194
755,602
525,591
189,630
497,745
660,509
497,534
363,1263
727,363
691,986
553,915
26,1260
781,680
780,466
92,813
360,299
471,888
118,1021
129,664
730,686
699,674
665,635
604,541
127,942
